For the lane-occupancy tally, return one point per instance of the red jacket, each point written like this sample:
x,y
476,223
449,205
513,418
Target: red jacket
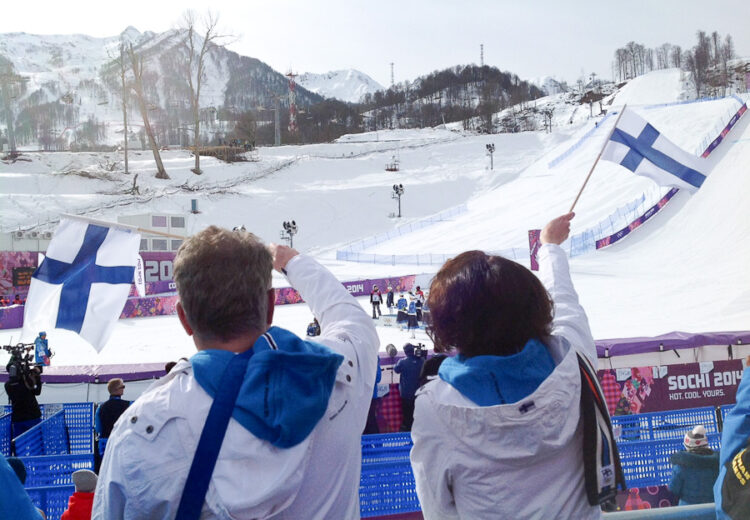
x,y
79,506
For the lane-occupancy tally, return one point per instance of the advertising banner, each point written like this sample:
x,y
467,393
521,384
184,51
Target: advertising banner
x,y
16,268
673,387
650,212
158,273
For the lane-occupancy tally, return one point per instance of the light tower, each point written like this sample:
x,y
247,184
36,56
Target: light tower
x,y
481,55
290,229
292,103
392,82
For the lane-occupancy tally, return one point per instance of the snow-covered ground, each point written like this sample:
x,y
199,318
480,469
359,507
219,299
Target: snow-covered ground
x,y
686,269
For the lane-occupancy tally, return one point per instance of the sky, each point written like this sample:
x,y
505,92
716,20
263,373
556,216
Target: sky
x,y
532,39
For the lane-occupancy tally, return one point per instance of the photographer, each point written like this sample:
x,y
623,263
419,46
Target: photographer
x,y
24,384
409,368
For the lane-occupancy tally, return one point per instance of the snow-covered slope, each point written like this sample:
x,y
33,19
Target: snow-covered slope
x,y
683,270
347,85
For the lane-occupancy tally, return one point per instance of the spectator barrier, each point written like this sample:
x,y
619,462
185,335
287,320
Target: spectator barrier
x,y
673,424
53,500
387,484
647,463
5,434
55,470
724,410
46,438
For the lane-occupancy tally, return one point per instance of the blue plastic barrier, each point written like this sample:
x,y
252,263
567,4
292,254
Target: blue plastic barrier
x,y
55,470
5,434
79,421
46,438
387,483
53,500
672,424
724,410
647,463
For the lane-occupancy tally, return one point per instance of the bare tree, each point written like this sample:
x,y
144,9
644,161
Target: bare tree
x,y
123,69
676,56
136,62
198,46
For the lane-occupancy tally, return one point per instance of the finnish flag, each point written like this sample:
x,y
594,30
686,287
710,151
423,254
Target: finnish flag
x,y
640,148
83,282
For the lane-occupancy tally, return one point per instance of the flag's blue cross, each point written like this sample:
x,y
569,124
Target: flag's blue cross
x,y
642,148
77,277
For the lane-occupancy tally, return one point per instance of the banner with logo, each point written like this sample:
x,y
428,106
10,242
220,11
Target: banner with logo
x,y
670,387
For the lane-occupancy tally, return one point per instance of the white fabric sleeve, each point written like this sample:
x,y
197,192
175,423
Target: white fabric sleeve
x,y
431,473
570,319
344,325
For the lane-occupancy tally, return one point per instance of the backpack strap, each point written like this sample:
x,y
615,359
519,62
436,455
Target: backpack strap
x,y
601,459
212,436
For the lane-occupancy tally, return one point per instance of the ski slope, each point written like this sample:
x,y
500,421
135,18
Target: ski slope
x,y
686,269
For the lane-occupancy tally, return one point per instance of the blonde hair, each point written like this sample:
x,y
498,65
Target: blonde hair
x,y
223,278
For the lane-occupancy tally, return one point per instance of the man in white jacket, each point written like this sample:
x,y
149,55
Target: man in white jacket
x,y
290,444
499,435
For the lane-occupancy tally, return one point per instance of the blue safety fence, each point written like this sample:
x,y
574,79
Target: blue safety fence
x,y
5,434
55,470
49,437
647,463
78,422
387,484
53,500
672,424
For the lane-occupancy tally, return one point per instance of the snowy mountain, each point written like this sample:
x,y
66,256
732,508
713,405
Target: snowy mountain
x,y
346,85
70,83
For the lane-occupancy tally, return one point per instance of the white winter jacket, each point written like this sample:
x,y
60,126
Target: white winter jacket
x,y
152,445
512,461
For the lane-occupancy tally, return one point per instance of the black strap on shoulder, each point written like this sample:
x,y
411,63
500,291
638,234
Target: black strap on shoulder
x,y
212,436
601,459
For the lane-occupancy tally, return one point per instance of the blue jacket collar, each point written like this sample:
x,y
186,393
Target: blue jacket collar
x,y
493,380
286,388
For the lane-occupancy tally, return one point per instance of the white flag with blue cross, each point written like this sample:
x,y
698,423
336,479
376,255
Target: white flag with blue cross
x,y
84,280
642,149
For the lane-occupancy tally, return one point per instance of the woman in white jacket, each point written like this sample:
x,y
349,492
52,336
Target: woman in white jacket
x,y
497,434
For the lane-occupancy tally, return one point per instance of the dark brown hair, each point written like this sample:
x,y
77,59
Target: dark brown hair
x,y
487,305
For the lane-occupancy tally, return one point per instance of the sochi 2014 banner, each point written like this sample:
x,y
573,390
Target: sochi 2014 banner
x,y
672,387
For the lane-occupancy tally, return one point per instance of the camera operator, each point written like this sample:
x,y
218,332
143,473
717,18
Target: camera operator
x,y
409,368
23,385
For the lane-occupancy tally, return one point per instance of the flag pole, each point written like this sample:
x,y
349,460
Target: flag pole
x,y
115,225
597,158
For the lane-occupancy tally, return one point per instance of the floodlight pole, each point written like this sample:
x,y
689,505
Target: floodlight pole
x,y
398,190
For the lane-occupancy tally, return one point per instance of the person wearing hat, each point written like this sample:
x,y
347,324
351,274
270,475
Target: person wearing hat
x,y
694,470
109,411
389,298
81,502
22,390
375,298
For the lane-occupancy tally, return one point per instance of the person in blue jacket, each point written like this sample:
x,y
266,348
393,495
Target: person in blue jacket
x,y
694,470
732,488
409,368
14,501
401,307
42,353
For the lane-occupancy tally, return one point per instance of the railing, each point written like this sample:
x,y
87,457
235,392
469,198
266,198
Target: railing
x,y
55,470
695,512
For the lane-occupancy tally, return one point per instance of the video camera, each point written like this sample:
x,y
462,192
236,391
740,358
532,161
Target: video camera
x,y
21,360
420,350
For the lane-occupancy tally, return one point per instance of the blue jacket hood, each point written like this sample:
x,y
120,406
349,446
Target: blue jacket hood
x,y
285,392
492,380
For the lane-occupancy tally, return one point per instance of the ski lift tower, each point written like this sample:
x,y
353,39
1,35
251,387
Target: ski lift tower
x,y
292,102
